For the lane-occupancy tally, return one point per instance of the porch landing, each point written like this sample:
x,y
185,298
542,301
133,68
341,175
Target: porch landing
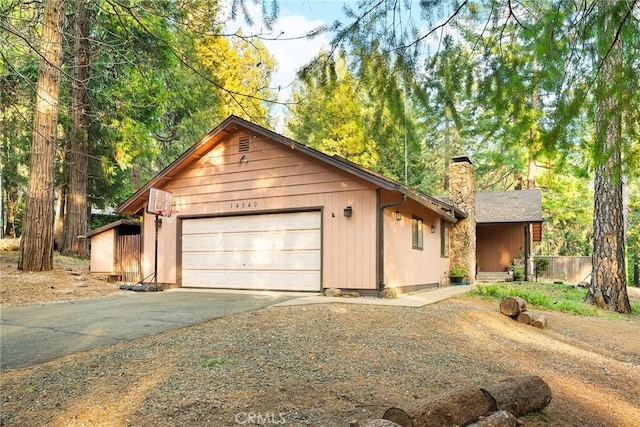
x,y
485,277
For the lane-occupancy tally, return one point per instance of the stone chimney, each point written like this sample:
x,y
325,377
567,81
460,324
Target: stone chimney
x,y
462,192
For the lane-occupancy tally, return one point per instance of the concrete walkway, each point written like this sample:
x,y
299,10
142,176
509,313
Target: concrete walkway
x,y
413,300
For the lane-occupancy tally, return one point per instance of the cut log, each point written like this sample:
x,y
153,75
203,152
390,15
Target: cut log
x,y
512,306
373,423
521,395
540,322
525,317
451,409
497,419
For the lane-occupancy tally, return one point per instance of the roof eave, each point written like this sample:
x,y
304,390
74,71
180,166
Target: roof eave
x,y
443,210
135,204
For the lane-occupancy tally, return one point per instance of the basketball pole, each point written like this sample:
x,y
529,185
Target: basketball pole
x,y
158,221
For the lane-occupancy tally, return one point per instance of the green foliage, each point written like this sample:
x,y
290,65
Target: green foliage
x,y
154,89
568,212
218,362
532,296
544,295
458,272
330,116
518,271
541,265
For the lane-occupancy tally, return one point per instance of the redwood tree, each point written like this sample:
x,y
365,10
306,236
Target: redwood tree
x,y
76,211
36,247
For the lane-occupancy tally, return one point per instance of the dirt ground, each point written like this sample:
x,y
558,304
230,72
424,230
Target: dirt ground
x,y
69,280
322,365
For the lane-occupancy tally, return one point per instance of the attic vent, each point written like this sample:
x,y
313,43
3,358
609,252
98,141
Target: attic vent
x,y
243,144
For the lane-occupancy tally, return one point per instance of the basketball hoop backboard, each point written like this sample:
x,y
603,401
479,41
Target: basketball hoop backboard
x,y
159,201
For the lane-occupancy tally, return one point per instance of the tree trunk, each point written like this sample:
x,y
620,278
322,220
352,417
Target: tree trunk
x,y
61,199
513,306
36,247
76,218
12,201
452,409
534,137
521,395
608,276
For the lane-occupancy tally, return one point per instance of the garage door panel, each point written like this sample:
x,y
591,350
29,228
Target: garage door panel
x,y
238,224
273,251
267,280
299,260
255,241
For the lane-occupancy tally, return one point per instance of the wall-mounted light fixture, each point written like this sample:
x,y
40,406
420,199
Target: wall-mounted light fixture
x,y
348,211
433,229
398,216
244,159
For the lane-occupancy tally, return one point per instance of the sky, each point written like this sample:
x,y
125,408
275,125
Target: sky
x,y
296,18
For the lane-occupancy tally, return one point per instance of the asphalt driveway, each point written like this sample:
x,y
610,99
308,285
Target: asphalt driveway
x,y
40,333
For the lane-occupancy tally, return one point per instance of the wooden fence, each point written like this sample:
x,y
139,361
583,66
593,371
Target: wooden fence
x,y
129,257
567,268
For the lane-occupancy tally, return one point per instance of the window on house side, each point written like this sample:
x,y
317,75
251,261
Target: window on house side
x,y
444,239
417,233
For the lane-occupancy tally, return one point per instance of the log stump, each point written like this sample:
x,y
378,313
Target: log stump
x,y
525,317
540,322
373,423
521,395
497,419
512,306
452,409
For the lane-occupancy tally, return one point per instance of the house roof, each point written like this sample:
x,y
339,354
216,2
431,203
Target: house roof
x,y
118,223
509,206
135,203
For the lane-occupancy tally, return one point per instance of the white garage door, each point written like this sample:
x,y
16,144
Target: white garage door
x,y
274,251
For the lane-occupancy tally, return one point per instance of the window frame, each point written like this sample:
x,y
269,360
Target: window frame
x,y
444,238
417,233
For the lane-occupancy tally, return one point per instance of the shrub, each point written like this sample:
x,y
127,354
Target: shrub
x,y
541,266
458,272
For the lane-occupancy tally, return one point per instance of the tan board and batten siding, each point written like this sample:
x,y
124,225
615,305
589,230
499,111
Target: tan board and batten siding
x,y
104,244
498,245
242,174
275,179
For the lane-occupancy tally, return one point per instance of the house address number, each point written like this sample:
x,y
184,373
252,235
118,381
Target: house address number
x,y
244,205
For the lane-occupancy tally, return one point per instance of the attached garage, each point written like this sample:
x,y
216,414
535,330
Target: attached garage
x,y
279,251
254,210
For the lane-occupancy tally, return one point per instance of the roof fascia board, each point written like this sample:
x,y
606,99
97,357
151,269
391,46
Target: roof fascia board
x,y
114,224
180,161
442,209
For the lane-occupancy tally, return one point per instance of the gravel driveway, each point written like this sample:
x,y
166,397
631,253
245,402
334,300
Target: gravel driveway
x,y
327,364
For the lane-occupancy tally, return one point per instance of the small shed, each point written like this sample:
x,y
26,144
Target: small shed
x,y
115,250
